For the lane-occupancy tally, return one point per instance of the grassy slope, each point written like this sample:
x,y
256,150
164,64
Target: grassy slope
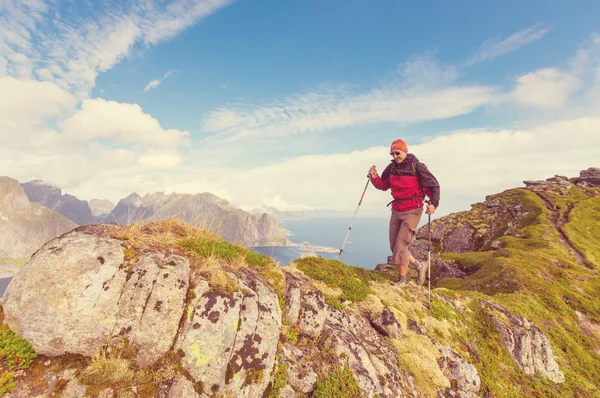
x,y
538,278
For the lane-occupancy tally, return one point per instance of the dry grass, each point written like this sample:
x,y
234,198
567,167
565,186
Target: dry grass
x,y
107,367
214,270
160,233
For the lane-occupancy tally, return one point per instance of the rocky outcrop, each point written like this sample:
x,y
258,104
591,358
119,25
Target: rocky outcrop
x,y
25,226
590,176
526,343
464,379
205,211
89,289
480,228
50,196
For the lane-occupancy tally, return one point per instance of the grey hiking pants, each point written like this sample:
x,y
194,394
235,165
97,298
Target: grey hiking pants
x,y
403,226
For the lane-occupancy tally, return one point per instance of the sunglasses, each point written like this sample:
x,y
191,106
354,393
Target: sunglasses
x,y
395,153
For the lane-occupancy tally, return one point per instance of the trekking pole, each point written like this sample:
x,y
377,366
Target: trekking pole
x,y
356,211
429,261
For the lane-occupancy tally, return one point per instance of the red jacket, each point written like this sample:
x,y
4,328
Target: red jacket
x,y
410,182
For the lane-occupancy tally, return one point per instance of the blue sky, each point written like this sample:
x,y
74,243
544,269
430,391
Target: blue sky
x,y
288,103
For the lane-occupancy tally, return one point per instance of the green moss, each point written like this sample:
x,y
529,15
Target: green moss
x,y
333,301
353,281
222,249
279,381
253,376
291,334
340,383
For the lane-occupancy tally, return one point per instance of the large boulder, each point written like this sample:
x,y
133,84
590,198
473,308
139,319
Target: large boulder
x,y
75,296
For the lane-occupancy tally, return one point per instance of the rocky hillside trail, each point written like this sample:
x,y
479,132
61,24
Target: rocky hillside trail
x,y
559,220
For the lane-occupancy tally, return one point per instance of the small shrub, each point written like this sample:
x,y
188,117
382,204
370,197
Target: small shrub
x,y
15,352
7,383
340,383
291,334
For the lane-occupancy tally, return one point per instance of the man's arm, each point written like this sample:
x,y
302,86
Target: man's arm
x,y
430,184
383,182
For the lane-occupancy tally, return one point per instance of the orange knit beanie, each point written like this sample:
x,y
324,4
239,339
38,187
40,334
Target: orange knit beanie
x,y
399,144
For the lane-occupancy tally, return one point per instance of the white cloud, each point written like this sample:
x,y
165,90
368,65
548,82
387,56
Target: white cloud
x,y
546,88
160,159
469,165
425,71
331,109
52,43
154,83
496,47
26,105
554,88
116,156
125,123
277,202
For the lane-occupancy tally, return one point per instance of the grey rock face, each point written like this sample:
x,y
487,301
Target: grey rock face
x,y
91,299
25,226
348,337
69,206
228,341
463,376
387,324
526,343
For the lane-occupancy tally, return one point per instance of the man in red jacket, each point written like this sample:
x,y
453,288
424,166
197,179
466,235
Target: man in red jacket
x,y
410,181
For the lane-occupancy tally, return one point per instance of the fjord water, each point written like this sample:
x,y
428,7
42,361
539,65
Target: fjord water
x,y
367,243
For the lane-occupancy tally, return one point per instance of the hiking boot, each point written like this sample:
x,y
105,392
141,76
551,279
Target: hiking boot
x,y
401,282
422,269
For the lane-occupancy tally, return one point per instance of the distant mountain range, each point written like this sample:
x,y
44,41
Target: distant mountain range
x,y
25,225
203,210
34,212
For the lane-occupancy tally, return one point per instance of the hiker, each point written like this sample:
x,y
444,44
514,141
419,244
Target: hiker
x,y
410,181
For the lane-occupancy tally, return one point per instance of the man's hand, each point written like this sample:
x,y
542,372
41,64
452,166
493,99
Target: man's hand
x,y
430,209
373,171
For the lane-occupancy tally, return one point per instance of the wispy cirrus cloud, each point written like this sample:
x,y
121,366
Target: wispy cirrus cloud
x,y
46,42
424,90
156,82
496,47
